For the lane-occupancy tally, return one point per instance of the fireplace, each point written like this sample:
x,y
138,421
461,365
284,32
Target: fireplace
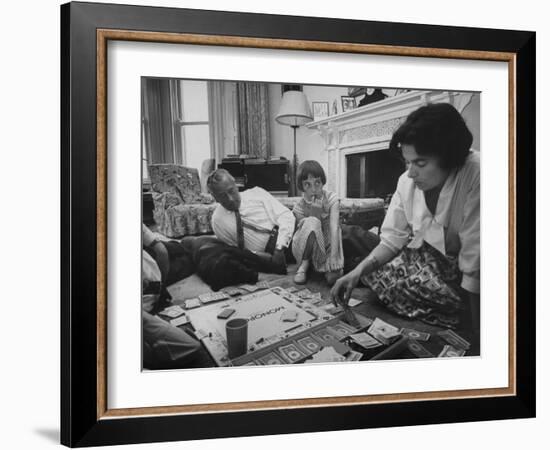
x,y
372,174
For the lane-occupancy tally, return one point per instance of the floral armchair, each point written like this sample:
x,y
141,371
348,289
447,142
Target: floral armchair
x,y
180,209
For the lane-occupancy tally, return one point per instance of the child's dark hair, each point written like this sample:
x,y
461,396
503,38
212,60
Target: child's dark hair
x,y
313,168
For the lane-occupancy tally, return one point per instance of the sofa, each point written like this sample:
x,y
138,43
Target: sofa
x,y
181,209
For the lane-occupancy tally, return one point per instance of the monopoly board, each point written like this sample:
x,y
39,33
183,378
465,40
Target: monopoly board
x,y
265,311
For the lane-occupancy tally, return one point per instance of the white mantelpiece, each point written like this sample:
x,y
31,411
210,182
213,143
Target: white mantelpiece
x,y
370,128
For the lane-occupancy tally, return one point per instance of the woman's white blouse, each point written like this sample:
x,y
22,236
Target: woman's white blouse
x,y
453,230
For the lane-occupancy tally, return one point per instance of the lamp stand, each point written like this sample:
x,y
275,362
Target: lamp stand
x,y
294,111
294,190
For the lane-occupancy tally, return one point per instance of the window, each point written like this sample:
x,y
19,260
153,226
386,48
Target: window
x,y
191,124
175,122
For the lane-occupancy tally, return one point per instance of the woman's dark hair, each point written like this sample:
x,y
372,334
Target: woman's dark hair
x,y
312,168
436,130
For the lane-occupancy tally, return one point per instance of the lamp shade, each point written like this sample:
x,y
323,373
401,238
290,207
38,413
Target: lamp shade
x,y
294,110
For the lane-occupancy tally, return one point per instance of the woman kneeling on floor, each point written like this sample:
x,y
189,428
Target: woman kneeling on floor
x,y
427,262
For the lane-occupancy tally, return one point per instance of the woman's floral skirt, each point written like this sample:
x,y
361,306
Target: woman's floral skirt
x,y
420,284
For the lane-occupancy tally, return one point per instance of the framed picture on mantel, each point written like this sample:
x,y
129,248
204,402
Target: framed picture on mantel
x,y
113,394
348,103
320,110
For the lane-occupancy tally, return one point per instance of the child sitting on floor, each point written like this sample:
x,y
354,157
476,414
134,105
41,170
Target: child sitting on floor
x,y
318,238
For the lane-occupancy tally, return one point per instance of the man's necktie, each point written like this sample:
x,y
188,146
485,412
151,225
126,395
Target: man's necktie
x,y
240,230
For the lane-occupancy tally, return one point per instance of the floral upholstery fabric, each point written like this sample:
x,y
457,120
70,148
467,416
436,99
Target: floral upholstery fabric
x,y
179,180
180,209
175,219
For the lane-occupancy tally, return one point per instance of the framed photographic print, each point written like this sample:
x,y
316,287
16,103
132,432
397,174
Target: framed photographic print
x,y
180,292
320,110
348,103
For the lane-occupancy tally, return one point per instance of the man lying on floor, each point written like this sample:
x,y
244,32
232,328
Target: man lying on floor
x,y
253,219
217,263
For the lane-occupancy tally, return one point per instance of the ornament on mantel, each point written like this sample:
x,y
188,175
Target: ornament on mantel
x,y
372,95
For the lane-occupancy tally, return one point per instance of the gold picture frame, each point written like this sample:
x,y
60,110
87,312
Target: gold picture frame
x,y
84,391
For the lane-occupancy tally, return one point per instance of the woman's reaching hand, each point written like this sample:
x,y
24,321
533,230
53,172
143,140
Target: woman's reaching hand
x,y
342,289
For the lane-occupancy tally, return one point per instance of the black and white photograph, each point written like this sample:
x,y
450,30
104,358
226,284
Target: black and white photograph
x,y
270,239
348,103
275,221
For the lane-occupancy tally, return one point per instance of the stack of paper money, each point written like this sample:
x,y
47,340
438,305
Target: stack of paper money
x,y
415,334
450,352
365,340
210,297
291,352
232,290
327,354
192,303
454,340
249,287
354,356
172,311
383,332
182,320
418,350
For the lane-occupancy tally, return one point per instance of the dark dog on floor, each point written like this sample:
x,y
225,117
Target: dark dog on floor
x,y
220,265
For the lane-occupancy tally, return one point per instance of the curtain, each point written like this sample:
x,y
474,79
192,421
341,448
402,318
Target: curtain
x,y
253,119
222,116
157,121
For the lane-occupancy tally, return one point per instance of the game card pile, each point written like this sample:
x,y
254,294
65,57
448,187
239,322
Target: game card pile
x,y
457,345
384,332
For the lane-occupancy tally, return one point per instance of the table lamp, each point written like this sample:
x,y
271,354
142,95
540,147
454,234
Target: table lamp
x,y
294,112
